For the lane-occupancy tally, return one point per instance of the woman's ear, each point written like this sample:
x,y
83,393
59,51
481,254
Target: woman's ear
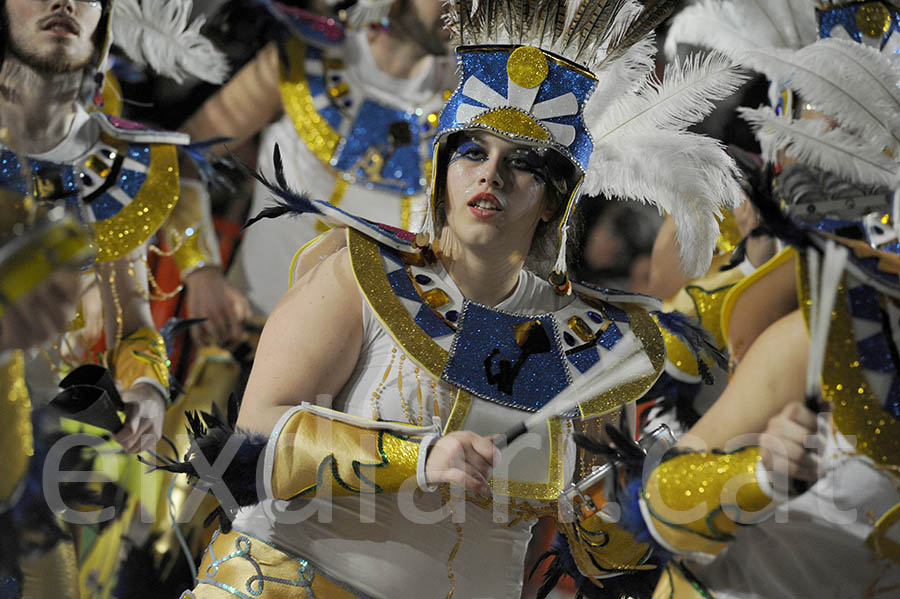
x,y
551,206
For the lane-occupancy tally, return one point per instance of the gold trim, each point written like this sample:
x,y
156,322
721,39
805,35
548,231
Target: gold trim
x,y
16,442
368,270
857,411
134,224
734,295
314,130
645,329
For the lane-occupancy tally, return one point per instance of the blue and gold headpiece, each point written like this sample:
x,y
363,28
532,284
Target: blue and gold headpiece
x,y
576,76
875,24
523,93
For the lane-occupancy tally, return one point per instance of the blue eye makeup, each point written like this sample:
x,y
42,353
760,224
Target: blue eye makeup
x,y
470,150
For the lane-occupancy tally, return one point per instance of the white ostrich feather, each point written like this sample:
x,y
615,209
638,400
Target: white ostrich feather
x,y
687,175
685,96
850,82
159,33
813,143
733,25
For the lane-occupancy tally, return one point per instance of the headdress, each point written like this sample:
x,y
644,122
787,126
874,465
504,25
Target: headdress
x,y
875,24
577,77
731,26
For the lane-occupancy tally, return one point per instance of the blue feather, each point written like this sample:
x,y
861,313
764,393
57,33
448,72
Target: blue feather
x,y
699,340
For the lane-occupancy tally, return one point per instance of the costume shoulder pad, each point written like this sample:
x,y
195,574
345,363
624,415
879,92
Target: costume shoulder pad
x,y
132,132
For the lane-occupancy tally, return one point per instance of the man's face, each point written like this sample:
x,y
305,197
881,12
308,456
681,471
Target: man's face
x,y
434,36
52,36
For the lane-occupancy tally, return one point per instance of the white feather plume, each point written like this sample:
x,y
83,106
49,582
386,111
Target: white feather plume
x,y
732,25
159,33
850,82
812,142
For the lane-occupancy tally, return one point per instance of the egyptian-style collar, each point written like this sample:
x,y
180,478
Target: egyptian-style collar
x,y
352,133
123,187
516,360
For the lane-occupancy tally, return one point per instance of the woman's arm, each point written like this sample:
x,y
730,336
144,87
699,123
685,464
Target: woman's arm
x,y
309,346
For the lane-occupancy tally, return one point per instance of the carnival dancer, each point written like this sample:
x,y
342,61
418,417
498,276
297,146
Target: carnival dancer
x,y
384,339
689,385
355,113
841,208
117,177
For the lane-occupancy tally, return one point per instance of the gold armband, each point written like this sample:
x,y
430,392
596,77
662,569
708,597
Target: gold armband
x,y
602,549
316,449
189,230
693,502
16,442
140,355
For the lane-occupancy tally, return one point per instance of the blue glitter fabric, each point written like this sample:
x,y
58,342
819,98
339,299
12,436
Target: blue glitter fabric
x,y
892,399
874,353
481,330
488,64
105,207
401,171
585,359
845,17
430,323
131,181
139,153
403,286
864,303
610,337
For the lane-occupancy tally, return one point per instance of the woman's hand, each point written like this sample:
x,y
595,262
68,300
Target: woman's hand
x,y
464,458
145,409
788,445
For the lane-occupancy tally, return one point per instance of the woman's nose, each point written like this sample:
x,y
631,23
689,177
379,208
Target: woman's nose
x,y
490,173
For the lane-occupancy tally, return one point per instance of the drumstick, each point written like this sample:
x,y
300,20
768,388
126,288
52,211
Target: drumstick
x,y
584,388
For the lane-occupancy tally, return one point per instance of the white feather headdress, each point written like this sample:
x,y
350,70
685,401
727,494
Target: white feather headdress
x,y
733,25
857,87
627,135
160,34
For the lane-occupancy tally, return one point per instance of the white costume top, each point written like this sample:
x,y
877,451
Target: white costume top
x,y
264,258
813,545
368,541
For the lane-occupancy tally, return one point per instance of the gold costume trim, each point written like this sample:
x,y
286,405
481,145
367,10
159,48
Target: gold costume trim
x,y
134,224
16,442
314,130
237,564
140,354
313,454
645,328
857,411
600,548
696,500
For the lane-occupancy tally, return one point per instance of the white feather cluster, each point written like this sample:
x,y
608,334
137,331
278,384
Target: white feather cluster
x,y
643,152
160,34
732,25
857,88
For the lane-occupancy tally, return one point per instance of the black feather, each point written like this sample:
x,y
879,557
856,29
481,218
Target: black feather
x,y
699,340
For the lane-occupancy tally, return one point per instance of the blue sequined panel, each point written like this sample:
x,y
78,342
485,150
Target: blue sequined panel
x,y
131,181
892,399
11,172
874,353
429,322
488,335
403,286
489,65
401,170
610,336
140,153
845,17
584,359
864,303
105,207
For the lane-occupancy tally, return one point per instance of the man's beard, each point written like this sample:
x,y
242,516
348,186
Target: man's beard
x,y
428,38
55,62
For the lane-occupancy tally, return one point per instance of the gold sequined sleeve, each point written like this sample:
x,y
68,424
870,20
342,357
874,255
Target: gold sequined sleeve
x,y
249,102
189,230
315,455
601,548
141,357
693,502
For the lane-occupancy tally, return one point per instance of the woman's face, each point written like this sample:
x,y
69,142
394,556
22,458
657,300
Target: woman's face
x,y
496,192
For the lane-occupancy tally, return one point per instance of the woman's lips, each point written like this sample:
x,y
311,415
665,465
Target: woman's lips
x,y
485,205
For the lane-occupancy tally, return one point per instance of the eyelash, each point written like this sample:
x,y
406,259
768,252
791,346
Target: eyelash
x,y
468,150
